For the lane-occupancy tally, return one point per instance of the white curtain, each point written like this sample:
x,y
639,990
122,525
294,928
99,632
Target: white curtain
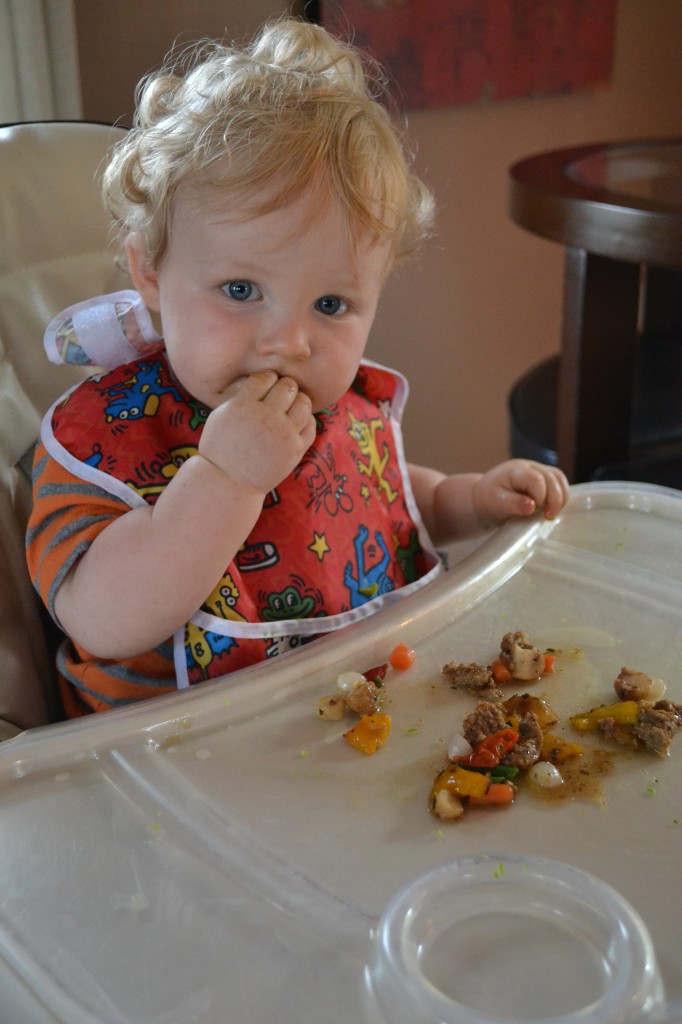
x,y
39,77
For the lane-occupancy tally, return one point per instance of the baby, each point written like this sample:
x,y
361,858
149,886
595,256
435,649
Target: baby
x,y
241,488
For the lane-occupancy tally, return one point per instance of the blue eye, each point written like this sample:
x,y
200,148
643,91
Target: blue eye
x,y
241,291
331,305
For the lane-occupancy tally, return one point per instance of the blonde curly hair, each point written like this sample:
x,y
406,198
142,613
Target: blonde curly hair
x,y
294,112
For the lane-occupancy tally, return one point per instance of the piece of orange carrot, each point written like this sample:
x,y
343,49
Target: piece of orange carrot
x,y
501,673
497,793
402,657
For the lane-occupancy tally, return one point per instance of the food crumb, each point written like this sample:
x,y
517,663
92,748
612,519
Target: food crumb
x,y
499,871
304,753
202,754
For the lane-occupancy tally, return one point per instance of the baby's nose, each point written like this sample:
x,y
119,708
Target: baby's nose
x,y
289,340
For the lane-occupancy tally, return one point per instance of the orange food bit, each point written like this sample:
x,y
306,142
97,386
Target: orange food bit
x,y
497,793
402,657
501,673
489,751
370,733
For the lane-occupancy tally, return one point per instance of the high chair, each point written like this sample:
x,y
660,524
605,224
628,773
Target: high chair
x,y
54,251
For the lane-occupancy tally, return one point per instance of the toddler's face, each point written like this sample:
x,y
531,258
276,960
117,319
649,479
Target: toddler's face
x,y
285,291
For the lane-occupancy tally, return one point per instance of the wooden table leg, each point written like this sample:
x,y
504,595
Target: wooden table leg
x,y
663,303
601,299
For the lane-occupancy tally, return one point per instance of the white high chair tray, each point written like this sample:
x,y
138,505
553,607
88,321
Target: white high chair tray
x,y
223,855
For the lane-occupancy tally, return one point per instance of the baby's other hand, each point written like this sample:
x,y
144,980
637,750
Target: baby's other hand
x,y
261,432
517,488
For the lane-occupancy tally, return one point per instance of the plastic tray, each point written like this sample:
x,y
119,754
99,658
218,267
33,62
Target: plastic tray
x,y
223,855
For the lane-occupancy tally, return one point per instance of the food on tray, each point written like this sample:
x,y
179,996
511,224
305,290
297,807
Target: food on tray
x,y
522,659
518,705
355,691
454,785
518,661
630,685
370,733
503,741
359,692
402,657
638,719
557,750
332,707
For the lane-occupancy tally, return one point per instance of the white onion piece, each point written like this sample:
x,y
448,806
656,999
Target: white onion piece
x,y
656,689
545,775
458,747
348,680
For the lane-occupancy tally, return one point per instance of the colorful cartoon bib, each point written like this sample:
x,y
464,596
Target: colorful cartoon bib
x,y
339,538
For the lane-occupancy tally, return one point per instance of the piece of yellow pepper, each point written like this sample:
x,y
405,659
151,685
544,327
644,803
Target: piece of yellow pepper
x,y
623,712
556,749
370,733
461,782
515,707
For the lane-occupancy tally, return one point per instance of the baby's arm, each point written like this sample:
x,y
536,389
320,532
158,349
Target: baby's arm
x,y
151,568
463,505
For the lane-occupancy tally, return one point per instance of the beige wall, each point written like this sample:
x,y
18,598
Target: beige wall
x,y
483,303
121,40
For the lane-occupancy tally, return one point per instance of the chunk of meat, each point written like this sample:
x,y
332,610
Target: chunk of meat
x,y
363,698
526,752
523,660
474,677
656,725
618,733
654,728
484,720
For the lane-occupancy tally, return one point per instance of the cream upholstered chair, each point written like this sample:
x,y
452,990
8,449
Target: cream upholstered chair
x,y
54,251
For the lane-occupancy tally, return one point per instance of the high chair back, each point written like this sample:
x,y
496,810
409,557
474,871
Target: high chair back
x,y
54,251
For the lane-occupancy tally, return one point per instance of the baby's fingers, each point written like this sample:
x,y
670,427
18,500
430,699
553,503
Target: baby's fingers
x,y
557,491
252,388
301,417
545,486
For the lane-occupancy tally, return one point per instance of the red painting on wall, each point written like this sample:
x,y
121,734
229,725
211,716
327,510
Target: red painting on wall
x,y
444,52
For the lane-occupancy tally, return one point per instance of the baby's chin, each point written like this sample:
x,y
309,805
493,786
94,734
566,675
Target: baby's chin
x,y
324,398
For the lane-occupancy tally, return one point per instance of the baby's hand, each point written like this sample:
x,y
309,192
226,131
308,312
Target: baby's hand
x,y
517,488
261,431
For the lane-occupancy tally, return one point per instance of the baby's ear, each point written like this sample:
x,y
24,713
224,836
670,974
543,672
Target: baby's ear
x,y
143,274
